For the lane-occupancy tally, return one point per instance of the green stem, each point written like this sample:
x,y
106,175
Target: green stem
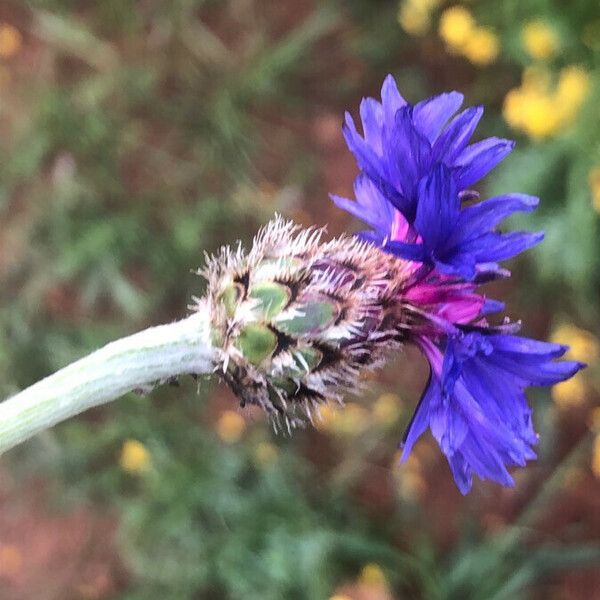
x,y
137,361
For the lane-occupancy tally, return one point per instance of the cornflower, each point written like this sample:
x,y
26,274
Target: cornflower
x,y
416,171
293,324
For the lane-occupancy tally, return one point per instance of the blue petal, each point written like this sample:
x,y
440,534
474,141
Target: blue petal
x,y
432,114
492,306
484,216
408,156
479,159
455,137
463,265
493,246
476,405
514,344
438,209
415,252
392,101
371,115
374,237
368,161
420,419
370,205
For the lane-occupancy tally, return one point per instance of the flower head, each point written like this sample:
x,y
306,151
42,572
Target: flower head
x,y
415,175
482,47
540,40
403,144
135,457
298,320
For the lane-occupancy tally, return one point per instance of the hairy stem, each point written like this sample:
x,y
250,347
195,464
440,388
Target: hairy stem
x,y
137,361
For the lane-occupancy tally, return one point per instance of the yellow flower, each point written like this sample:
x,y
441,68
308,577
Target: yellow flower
x,y
386,408
482,46
265,454
409,476
348,420
539,40
10,40
540,111
340,597
569,393
413,18
573,85
540,116
455,26
583,345
594,181
596,456
372,576
135,458
427,5
230,426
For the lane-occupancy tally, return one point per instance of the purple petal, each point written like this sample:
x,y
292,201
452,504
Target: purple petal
x,y
479,159
392,101
408,155
420,419
483,217
432,114
371,115
438,209
455,137
492,246
415,252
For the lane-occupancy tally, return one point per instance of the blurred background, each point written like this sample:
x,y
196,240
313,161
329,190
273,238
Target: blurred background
x,y
134,135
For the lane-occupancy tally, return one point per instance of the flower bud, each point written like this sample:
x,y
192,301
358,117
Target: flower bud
x,y
297,320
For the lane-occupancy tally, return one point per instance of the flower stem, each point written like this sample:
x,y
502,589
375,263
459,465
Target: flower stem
x,y
137,361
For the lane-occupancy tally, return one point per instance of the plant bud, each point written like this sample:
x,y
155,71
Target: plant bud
x,y
297,320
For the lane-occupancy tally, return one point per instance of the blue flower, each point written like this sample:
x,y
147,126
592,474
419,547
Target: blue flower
x,y
475,405
457,240
416,168
402,143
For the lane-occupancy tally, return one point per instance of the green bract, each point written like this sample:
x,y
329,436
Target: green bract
x,y
297,320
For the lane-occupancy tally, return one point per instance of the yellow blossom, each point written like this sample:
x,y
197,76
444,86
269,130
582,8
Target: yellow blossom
x,y
455,26
583,345
409,476
326,416
594,182
413,18
265,454
573,85
532,111
428,5
481,47
135,457
230,426
372,576
540,111
340,597
569,393
596,456
540,40
386,409
10,40
348,420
